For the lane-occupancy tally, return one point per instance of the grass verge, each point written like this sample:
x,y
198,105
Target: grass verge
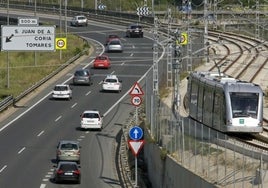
x,y
21,70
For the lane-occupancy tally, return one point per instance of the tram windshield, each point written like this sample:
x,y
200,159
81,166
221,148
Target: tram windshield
x,y
244,104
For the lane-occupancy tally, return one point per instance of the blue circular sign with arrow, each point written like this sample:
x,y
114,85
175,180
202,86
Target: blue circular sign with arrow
x,y
135,133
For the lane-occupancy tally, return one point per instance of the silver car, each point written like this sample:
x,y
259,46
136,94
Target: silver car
x,y
68,150
114,46
62,91
80,20
82,76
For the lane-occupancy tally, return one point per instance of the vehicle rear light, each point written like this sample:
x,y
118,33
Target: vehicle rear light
x,y
59,171
77,172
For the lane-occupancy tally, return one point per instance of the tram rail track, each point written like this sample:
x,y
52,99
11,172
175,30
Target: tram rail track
x,y
241,57
247,52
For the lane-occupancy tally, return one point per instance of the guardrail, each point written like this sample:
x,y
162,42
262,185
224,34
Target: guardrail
x,y
6,102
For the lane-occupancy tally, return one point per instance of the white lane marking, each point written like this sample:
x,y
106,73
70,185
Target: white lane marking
x,y
58,118
22,149
3,168
88,93
40,133
112,72
131,55
123,63
42,185
74,105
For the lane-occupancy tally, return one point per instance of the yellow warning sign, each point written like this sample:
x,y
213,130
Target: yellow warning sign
x,y
61,43
184,38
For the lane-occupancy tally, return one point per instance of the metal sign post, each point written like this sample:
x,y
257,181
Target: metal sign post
x,y
136,144
136,133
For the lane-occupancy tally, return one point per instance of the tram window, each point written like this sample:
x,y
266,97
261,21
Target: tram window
x,y
244,104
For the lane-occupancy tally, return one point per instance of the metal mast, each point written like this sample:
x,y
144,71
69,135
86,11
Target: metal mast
x,y
257,28
206,51
189,45
169,53
155,58
215,15
176,67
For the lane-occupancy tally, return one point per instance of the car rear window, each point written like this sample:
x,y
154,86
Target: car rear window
x,y
68,167
81,18
135,27
60,88
101,58
69,146
111,80
112,36
90,115
81,73
115,42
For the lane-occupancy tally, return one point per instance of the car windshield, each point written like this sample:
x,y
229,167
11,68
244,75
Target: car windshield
x,y
69,146
61,88
81,73
90,115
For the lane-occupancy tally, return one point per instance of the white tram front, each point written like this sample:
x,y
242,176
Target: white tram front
x,y
225,103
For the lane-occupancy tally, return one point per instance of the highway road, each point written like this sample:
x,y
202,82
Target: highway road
x,y
29,137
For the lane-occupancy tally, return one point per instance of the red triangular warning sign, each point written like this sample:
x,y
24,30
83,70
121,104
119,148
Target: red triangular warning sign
x,y
136,89
135,146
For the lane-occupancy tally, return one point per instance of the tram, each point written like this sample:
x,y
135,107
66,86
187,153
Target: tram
x,y
225,103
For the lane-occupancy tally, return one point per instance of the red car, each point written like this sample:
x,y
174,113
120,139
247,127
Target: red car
x,y
102,61
111,37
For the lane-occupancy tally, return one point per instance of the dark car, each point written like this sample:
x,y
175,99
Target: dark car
x,y
82,76
67,171
134,30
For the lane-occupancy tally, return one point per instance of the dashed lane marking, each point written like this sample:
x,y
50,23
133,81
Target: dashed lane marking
x,y
58,118
21,150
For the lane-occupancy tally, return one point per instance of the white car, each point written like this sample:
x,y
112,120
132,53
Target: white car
x,y
80,20
62,91
111,83
91,119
